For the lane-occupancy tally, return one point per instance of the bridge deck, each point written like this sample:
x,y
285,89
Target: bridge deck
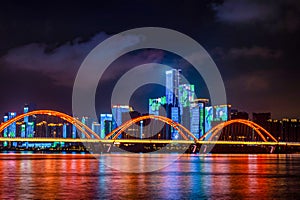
x,y
149,141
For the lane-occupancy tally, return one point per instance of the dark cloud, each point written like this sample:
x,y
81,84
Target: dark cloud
x,y
248,53
60,63
280,15
243,11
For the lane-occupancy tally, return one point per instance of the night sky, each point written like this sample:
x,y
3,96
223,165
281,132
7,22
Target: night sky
x,y
254,43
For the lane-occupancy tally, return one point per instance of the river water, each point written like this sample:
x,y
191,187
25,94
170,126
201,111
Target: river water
x,y
77,176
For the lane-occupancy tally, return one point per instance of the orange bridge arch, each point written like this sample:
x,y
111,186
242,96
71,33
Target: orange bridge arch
x,y
257,128
184,132
79,125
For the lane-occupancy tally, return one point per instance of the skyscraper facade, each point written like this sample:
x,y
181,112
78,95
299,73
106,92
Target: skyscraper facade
x,y
172,85
12,128
156,104
105,124
117,111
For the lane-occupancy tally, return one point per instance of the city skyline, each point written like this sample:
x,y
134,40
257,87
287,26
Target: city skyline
x,y
179,104
260,74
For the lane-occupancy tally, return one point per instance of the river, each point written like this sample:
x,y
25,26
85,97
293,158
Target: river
x,y
81,176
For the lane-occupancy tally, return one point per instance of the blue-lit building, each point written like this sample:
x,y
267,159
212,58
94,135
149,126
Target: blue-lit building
x,y
74,131
175,117
105,124
64,134
197,119
96,128
117,111
172,85
30,130
87,121
186,95
209,117
172,98
5,131
156,104
12,129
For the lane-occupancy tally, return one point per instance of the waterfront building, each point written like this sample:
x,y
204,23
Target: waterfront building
x,y
117,111
105,124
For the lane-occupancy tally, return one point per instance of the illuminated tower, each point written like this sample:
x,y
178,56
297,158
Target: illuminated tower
x,y
96,128
12,127
172,87
105,124
186,95
5,131
117,111
172,84
156,104
197,112
29,122
64,130
74,131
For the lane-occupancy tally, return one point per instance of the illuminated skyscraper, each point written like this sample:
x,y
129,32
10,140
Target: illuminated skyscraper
x,y
156,104
197,119
87,121
186,95
12,127
175,118
23,130
74,131
105,124
209,116
26,110
29,122
117,111
30,130
96,128
172,85
64,130
84,120
222,113
5,131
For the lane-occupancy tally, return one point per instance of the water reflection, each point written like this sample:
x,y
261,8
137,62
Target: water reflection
x,y
191,176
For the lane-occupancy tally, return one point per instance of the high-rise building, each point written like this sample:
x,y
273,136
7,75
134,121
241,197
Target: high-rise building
x,y
105,124
197,119
186,95
209,117
117,111
74,131
156,104
29,122
5,131
64,134
88,121
222,113
23,130
96,128
30,130
172,85
12,128
26,110
175,117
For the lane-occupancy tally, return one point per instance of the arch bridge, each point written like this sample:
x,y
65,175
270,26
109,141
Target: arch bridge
x,y
187,137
